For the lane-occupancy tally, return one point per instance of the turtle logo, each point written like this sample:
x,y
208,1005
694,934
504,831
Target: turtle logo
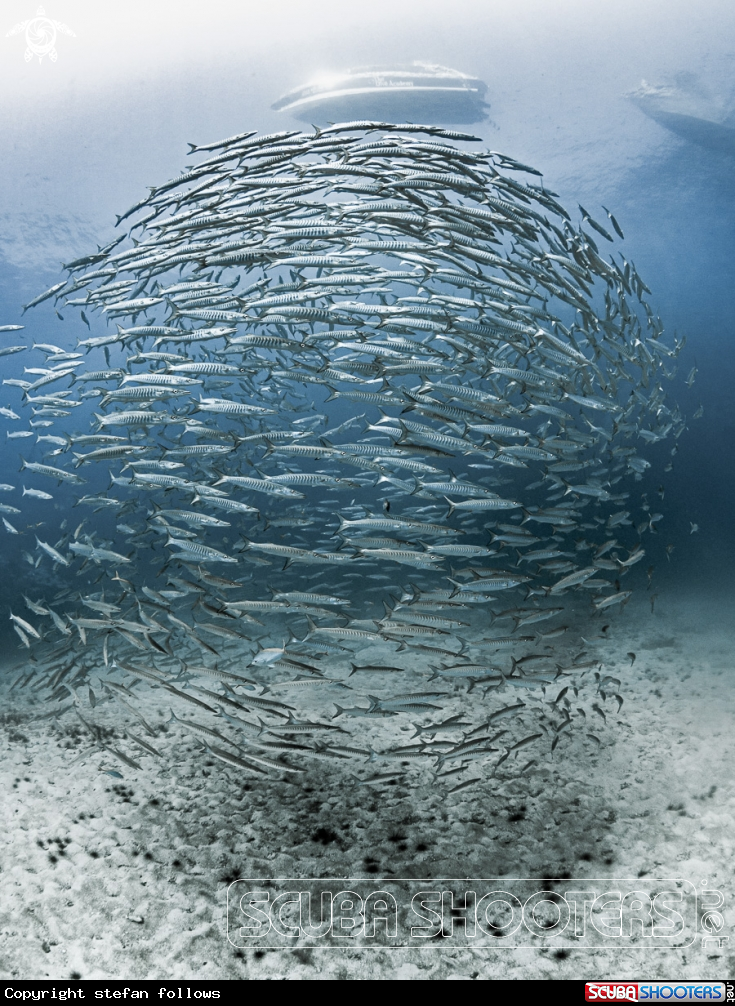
x,y
41,32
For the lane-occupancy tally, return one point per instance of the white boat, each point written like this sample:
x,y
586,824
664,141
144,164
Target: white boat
x,y
689,110
418,92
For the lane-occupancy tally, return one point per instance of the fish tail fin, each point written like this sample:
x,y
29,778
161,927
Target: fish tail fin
x,y
311,624
354,668
405,433
333,393
451,506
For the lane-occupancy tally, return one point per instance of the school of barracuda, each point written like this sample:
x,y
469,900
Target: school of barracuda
x,y
494,373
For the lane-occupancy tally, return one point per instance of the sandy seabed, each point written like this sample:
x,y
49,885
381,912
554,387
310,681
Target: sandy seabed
x,y
104,877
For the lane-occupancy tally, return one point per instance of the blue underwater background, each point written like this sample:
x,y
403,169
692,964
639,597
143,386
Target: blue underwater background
x,y
83,137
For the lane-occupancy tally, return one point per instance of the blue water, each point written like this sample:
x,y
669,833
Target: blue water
x,y
82,138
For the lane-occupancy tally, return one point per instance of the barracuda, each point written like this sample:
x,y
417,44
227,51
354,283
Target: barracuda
x,y
202,553
259,485
375,266
50,472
